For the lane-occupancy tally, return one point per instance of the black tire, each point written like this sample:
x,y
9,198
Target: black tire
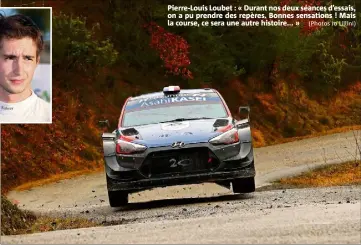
x,y
244,185
118,198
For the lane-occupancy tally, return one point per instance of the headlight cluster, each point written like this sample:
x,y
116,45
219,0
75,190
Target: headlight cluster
x,y
124,147
229,137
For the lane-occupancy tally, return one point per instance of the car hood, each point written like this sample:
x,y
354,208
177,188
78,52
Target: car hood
x,y
188,132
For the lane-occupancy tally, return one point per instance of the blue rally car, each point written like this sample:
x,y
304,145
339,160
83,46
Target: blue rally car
x,y
177,137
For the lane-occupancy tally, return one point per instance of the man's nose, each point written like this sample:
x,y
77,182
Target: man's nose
x,y
18,66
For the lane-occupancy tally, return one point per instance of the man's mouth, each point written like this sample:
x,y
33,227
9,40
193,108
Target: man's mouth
x,y
16,81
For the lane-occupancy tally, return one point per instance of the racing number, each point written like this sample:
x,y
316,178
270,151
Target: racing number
x,y
182,162
173,162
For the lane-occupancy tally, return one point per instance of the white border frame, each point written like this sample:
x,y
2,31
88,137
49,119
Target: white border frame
x,y
51,65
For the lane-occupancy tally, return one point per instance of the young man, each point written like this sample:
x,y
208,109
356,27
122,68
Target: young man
x,y
21,42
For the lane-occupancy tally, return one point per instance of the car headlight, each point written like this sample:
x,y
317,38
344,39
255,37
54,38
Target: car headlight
x,y
124,147
229,137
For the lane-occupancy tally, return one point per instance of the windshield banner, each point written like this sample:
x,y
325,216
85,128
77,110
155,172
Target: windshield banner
x,y
173,99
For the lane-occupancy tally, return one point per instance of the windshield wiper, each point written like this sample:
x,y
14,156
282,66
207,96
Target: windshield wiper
x,y
197,118
186,119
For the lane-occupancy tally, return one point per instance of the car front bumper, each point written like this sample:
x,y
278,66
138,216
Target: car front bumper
x,y
131,173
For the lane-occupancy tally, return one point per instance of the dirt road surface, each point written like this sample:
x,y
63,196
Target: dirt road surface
x,y
208,213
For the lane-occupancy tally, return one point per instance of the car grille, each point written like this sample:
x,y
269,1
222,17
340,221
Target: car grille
x,y
177,162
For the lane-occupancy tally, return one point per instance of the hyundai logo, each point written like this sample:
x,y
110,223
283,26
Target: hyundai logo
x,y
178,144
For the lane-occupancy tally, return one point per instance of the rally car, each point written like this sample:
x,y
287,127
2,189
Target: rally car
x,y
177,137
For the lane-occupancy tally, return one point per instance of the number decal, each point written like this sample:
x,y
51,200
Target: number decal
x,y
183,162
173,163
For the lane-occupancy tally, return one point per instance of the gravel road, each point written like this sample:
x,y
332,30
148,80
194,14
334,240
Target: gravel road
x,y
208,213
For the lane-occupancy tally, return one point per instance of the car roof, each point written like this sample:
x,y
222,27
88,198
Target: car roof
x,y
161,94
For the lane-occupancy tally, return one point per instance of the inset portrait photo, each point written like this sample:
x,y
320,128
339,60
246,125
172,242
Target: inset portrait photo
x,y
25,65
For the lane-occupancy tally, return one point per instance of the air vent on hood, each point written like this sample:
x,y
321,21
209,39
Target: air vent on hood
x,y
130,132
220,123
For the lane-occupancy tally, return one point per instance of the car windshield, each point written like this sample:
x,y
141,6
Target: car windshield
x,y
179,108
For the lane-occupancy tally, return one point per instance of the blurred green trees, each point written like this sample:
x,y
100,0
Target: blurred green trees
x,y
75,47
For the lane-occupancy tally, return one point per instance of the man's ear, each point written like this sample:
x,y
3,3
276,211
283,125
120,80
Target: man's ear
x,y
38,60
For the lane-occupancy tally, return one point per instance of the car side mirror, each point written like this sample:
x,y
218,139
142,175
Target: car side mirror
x,y
108,136
103,124
244,112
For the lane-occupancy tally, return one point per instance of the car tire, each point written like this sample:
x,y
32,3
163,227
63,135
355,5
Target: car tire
x,y
243,185
118,198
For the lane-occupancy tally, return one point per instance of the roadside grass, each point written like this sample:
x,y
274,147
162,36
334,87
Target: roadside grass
x,y
348,173
15,221
44,224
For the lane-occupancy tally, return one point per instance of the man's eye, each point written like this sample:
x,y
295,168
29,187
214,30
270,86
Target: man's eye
x,y
9,58
28,58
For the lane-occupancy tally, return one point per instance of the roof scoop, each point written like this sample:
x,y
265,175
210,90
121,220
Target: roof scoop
x,y
220,123
130,132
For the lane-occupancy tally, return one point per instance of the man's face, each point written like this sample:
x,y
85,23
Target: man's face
x,y
18,61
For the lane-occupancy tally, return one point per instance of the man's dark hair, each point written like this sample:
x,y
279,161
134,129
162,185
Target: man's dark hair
x,y
19,26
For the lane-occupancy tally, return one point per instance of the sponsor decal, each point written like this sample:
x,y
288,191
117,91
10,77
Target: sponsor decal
x,y
5,108
172,96
171,100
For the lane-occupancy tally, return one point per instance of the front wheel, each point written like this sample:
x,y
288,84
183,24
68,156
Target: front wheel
x,y
243,185
118,198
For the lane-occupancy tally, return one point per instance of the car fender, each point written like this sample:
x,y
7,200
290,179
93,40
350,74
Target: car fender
x,y
109,144
244,131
